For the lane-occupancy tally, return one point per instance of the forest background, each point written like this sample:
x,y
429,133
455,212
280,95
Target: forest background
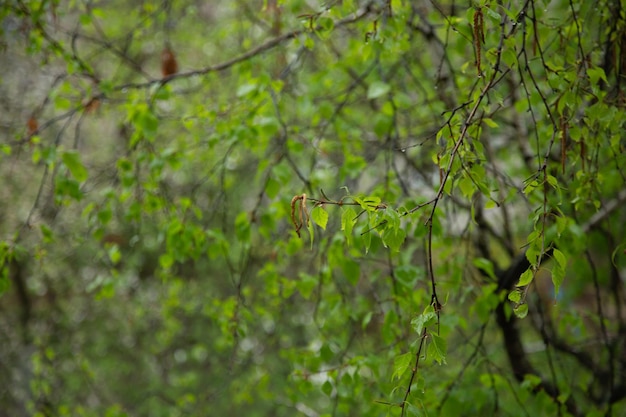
x,y
306,208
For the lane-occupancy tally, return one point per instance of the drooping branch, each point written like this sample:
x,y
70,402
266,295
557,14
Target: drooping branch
x,y
520,364
508,323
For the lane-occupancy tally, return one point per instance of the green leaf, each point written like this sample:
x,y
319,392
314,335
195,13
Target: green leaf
x,y
6,149
272,188
369,203
147,123
114,254
412,410
382,125
595,74
242,227
400,365
377,89
166,261
246,89
560,258
306,284
326,353
68,187
325,24
309,43
486,266
558,271
437,348
531,381
493,14
467,187
530,186
390,326
348,216
563,397
392,218
366,319
71,159
327,388
163,93
526,278
394,238
533,251
48,235
319,216
490,122
521,310
351,270
428,318
62,103
409,275
515,296
552,181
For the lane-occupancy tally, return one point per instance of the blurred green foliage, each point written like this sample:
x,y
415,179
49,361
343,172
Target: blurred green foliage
x,y
307,208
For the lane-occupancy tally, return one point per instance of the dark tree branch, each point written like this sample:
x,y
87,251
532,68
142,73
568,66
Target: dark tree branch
x,y
16,274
